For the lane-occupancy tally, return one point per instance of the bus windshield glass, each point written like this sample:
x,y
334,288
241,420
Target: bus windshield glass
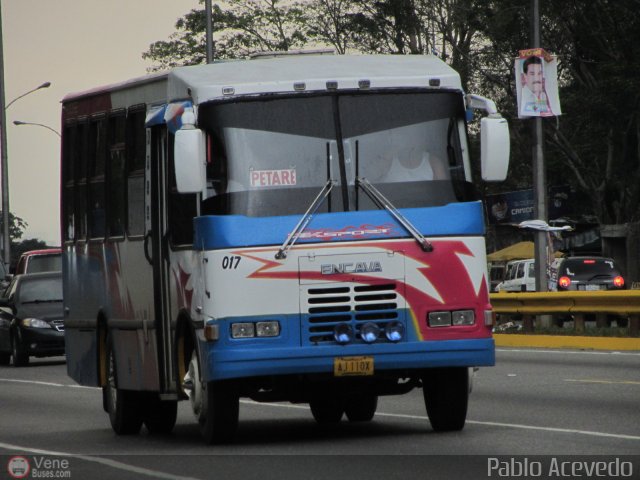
x,y
271,156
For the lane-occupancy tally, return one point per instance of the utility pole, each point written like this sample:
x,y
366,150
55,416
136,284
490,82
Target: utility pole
x,y
539,178
207,6
4,162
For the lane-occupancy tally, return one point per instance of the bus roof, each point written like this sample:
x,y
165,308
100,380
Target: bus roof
x,y
202,83
280,74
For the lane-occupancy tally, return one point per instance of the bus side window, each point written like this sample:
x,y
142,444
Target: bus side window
x,y
97,157
116,175
70,157
136,153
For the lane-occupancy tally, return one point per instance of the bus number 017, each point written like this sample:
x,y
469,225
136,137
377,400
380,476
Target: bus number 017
x,y
230,263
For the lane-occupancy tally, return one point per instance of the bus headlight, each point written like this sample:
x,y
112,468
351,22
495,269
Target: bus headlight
x,y
243,330
463,317
268,329
439,319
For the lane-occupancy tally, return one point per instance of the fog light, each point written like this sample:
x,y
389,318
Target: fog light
x,y
394,331
439,319
463,317
343,333
268,329
369,332
243,330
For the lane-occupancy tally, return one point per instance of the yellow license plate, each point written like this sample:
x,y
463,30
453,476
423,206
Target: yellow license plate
x,y
352,366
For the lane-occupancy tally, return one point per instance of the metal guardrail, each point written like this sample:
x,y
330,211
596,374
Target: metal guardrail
x,y
625,303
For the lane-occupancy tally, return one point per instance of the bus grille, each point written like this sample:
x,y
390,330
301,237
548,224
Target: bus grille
x,y
327,306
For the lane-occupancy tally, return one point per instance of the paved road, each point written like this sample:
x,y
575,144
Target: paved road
x,y
532,403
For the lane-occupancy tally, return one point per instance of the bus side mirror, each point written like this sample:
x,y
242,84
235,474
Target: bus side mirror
x,y
494,149
190,160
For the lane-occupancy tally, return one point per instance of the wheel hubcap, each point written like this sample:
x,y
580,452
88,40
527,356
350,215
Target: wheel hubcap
x,y
111,382
193,387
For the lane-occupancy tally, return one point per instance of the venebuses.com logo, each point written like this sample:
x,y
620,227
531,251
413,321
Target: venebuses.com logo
x,y
18,467
38,467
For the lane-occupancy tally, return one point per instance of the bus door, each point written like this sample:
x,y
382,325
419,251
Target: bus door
x,y
157,249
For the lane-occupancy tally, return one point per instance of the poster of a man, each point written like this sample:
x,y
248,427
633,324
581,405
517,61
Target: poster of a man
x,y
537,84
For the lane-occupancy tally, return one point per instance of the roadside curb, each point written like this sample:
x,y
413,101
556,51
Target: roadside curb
x,y
561,341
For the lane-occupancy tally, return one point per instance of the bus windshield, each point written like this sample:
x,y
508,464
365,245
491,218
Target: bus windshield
x,y
271,156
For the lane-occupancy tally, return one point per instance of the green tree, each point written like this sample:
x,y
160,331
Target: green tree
x,y
16,227
242,28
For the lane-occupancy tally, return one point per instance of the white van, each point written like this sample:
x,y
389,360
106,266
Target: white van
x,y
520,276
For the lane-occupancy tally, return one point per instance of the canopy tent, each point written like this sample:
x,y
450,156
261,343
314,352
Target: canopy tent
x,y
517,251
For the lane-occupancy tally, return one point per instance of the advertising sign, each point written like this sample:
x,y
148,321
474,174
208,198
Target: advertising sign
x,y
536,75
518,206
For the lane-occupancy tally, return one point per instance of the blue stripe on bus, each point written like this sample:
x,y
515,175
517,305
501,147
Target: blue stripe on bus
x,y
292,352
229,231
249,362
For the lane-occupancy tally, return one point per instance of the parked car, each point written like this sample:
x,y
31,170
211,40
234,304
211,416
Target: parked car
x,y
34,261
5,278
31,318
520,276
586,273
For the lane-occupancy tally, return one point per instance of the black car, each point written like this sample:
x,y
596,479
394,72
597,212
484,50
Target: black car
x,y
588,273
31,318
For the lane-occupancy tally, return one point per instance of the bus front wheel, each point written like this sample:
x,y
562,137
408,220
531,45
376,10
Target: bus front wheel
x,y
215,405
123,406
446,394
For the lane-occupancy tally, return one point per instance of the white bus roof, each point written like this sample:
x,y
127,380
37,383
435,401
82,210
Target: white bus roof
x,y
283,74
280,74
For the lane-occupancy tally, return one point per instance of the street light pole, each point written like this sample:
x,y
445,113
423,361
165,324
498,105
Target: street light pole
x,y
18,122
6,242
4,161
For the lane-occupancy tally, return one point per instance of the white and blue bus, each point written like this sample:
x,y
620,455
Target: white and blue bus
x,y
300,228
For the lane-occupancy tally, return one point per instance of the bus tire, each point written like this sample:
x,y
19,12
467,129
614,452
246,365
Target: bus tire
x,y
215,405
326,410
5,358
123,406
361,408
446,395
219,423
20,356
160,416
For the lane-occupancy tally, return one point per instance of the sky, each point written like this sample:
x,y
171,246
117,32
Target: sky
x,y
75,45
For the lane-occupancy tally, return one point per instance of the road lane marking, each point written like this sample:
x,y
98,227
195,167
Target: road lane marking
x,y
608,382
400,415
47,384
475,422
103,461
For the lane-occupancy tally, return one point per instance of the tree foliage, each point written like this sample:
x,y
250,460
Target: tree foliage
x,y
16,227
594,145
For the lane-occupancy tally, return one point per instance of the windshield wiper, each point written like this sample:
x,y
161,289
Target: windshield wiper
x,y
306,218
382,202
